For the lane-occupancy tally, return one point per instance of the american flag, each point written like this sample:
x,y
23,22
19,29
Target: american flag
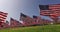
x,y
55,8
45,12
53,11
14,23
26,19
38,20
50,10
22,16
3,16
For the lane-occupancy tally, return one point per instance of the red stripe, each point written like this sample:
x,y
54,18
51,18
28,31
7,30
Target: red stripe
x,y
54,7
53,14
53,17
45,14
2,20
45,11
3,15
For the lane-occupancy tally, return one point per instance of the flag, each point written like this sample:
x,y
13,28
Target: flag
x,y
35,17
47,10
55,8
14,23
22,17
38,20
53,11
6,25
3,16
27,21
44,10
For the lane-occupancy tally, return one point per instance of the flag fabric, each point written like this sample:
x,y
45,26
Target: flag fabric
x,y
52,10
22,17
55,8
6,25
38,20
14,23
26,20
45,12
3,16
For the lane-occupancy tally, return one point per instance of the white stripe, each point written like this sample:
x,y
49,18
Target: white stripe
x,y
2,16
54,5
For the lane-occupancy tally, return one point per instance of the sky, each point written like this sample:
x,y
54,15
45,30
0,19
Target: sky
x,y
28,7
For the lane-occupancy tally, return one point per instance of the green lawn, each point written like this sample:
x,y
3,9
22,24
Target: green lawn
x,y
46,28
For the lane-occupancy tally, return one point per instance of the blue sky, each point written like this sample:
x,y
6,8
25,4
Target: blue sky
x,y
28,7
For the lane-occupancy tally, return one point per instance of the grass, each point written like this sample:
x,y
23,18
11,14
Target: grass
x,y
46,28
